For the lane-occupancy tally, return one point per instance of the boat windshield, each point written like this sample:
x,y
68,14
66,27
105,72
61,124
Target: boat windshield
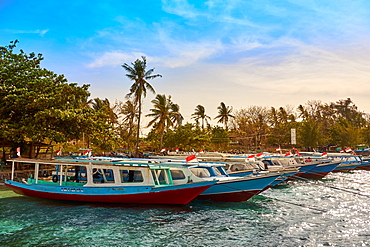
x,y
200,172
162,176
177,175
219,170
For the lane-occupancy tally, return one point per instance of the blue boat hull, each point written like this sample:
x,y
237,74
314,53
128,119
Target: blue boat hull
x,y
238,189
319,171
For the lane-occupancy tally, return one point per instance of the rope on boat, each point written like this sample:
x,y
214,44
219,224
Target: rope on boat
x,y
332,187
296,204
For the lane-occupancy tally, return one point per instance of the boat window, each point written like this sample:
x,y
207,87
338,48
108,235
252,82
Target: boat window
x,y
161,177
220,171
177,174
285,162
108,176
97,174
275,162
128,176
200,172
299,160
266,163
238,167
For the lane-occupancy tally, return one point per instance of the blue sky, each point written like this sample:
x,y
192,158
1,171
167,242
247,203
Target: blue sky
x,y
243,53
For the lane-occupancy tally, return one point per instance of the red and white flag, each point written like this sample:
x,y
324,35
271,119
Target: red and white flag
x,y
348,149
259,155
18,151
59,151
325,154
163,150
176,149
251,158
278,149
296,151
191,158
87,153
288,154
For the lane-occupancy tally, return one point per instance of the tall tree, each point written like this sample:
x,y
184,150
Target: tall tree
x,y
37,104
129,113
348,110
251,125
279,131
176,117
138,73
104,107
161,114
224,113
104,138
200,113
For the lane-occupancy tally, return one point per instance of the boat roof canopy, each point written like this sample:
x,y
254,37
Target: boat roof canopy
x,y
86,162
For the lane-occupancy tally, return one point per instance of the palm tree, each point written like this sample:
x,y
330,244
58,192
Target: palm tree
x,y
162,114
137,72
103,106
176,118
224,113
129,113
200,113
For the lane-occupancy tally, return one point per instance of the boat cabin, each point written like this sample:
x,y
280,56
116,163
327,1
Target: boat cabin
x,y
99,173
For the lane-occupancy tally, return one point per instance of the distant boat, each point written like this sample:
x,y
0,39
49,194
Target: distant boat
x,y
309,168
231,189
289,167
105,182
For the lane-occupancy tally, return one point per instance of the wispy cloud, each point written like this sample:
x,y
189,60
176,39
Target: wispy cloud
x,y
180,55
113,59
40,32
181,8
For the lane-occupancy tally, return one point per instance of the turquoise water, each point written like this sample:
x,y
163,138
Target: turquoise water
x,y
299,213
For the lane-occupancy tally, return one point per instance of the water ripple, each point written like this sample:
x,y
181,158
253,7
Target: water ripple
x,y
298,213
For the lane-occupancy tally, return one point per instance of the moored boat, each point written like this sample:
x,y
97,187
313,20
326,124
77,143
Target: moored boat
x,y
228,188
365,164
106,182
320,170
231,189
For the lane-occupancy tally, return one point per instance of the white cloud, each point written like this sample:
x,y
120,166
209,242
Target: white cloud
x,y
113,59
180,8
179,54
185,54
40,32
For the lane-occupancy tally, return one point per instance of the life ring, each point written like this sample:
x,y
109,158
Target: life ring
x,y
55,179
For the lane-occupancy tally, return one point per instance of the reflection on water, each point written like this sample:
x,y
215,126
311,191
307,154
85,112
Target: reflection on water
x,y
296,214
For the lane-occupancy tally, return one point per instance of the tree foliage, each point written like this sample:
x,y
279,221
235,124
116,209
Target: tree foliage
x,y
38,104
224,114
164,115
200,114
138,73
